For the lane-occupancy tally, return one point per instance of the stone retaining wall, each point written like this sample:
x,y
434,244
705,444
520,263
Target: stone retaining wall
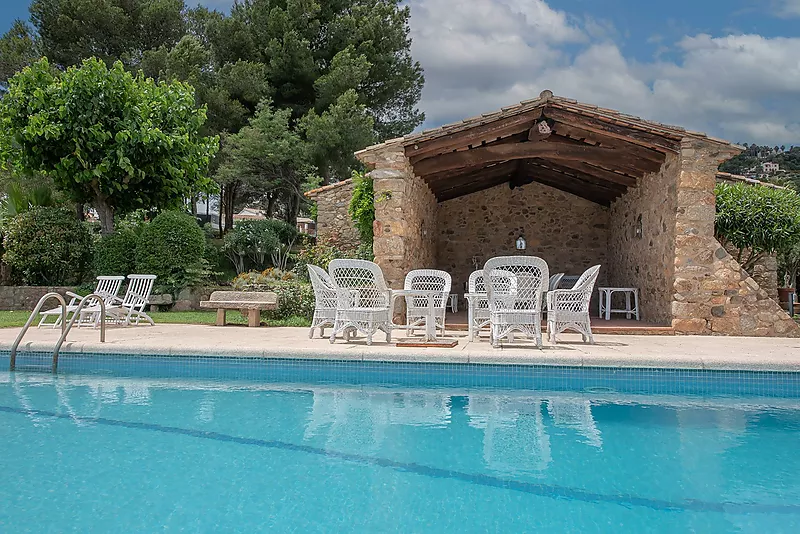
x,y
26,297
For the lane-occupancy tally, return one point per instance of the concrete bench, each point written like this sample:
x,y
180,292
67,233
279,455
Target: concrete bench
x,y
251,301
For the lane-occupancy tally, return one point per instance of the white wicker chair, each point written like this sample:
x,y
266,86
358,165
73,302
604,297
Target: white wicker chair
x,y
515,285
129,310
569,308
554,281
107,287
417,307
478,309
362,299
325,300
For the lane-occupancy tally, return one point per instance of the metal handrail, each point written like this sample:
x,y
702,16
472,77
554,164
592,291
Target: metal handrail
x,y
36,310
76,314
65,328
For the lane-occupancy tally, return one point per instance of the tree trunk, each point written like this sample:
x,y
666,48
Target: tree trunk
x,y
106,214
194,205
79,213
271,198
228,201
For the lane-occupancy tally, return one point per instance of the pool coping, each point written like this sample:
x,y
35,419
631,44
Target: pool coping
x,y
606,353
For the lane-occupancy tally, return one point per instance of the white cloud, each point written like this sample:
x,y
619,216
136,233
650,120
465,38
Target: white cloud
x,y
788,8
488,55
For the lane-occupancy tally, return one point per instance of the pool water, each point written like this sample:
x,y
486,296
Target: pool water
x,y
114,454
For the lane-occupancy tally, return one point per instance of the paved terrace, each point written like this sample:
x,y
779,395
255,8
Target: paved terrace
x,y
683,352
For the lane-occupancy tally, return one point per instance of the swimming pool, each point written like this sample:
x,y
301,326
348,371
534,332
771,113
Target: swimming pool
x,y
110,449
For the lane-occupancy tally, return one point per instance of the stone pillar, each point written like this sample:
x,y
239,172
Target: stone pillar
x,y
712,293
405,215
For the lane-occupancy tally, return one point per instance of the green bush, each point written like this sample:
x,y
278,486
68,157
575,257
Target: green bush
x,y
362,207
171,246
285,232
114,254
756,220
48,246
320,255
295,297
252,245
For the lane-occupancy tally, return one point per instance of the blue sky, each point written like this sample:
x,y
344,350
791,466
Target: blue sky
x,y
728,67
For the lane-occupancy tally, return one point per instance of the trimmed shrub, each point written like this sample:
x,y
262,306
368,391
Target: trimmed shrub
x,y
48,246
114,254
170,246
756,220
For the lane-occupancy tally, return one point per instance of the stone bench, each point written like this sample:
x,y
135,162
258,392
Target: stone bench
x,y
251,301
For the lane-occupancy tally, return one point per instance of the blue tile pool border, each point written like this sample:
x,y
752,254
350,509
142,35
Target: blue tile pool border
x,y
651,381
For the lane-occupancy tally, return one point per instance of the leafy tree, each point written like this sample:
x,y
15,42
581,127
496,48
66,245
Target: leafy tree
x,y
106,138
267,162
73,30
18,49
756,220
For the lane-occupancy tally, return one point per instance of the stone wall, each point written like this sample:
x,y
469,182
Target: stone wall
x,y
568,232
645,259
405,217
712,293
334,223
26,297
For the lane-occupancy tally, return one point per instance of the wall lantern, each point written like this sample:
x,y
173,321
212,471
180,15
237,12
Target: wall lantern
x,y
521,244
638,228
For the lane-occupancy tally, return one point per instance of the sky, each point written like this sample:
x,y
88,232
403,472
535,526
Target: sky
x,y
730,68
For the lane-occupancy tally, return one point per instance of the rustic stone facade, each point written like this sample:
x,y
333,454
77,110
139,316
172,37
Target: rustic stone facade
x,y
334,224
641,241
405,217
712,293
570,233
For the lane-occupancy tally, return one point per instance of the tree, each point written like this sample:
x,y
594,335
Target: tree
x,y
73,30
107,138
756,220
18,49
268,163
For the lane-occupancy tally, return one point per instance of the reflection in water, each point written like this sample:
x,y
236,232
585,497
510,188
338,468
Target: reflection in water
x,y
512,427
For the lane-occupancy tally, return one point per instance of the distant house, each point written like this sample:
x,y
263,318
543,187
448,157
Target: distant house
x,y
770,167
307,226
249,214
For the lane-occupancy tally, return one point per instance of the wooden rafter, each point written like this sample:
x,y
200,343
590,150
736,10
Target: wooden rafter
x,y
473,187
573,185
491,154
533,165
573,132
661,143
474,136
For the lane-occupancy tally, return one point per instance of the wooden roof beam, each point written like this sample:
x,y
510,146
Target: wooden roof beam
x,y
490,154
624,133
533,165
473,136
594,138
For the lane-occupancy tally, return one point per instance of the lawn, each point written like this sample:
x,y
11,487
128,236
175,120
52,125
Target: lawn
x,y
18,318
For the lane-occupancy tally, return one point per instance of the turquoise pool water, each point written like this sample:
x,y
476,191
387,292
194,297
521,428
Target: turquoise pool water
x,y
87,453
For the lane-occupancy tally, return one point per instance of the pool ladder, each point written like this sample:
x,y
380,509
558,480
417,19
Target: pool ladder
x,y
65,327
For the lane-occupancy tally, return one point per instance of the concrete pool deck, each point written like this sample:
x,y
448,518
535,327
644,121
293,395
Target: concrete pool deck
x,y
674,352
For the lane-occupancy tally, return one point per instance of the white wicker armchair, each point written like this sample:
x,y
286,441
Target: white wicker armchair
x,y
324,300
362,299
569,308
515,285
478,308
417,307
